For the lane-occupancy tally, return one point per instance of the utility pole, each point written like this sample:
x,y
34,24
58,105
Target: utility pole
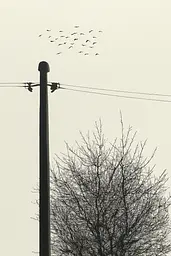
x,y
44,193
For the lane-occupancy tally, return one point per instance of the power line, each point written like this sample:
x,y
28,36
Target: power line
x,y
13,83
115,90
25,84
11,86
120,96
91,88
18,82
31,84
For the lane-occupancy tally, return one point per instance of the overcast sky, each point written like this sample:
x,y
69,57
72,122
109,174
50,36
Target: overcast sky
x,y
134,54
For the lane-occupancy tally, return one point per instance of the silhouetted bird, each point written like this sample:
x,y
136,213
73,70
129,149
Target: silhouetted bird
x,y
72,43
97,54
94,42
75,39
62,36
65,42
82,34
83,45
70,47
80,51
90,31
76,26
59,52
87,41
48,30
40,35
100,31
67,37
94,37
52,41
74,33
56,38
59,44
86,54
91,46
49,36
60,31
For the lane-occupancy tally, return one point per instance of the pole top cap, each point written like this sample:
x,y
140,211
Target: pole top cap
x,y
43,67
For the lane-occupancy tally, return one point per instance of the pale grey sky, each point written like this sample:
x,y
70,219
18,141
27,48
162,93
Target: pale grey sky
x,y
135,54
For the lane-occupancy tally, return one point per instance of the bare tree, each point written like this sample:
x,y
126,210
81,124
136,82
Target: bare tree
x,y
105,200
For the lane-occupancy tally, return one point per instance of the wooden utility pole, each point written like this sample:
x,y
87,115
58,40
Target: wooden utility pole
x,y
44,194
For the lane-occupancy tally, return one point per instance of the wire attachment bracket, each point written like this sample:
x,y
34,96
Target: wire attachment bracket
x,y
54,86
29,87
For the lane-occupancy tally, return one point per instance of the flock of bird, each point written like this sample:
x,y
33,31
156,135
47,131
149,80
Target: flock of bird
x,y
88,41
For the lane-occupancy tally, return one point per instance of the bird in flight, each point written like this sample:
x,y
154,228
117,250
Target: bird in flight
x,y
74,35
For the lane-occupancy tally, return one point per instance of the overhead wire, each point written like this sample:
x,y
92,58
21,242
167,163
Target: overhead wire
x,y
119,96
115,90
89,87
11,86
12,83
18,82
26,84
